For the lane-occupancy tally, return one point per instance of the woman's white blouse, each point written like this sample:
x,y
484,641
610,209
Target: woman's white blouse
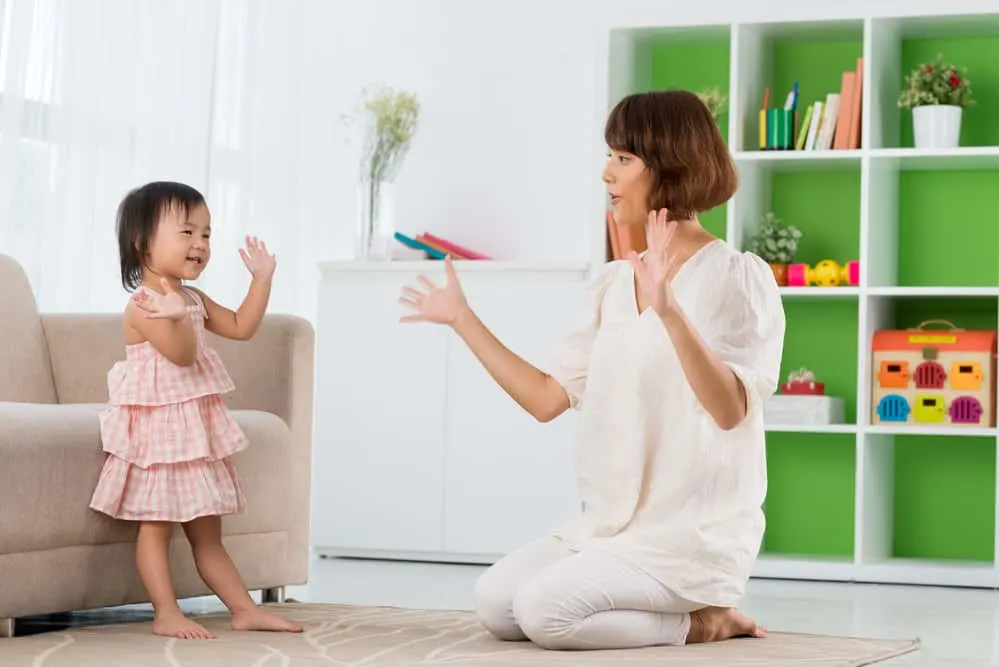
x,y
661,485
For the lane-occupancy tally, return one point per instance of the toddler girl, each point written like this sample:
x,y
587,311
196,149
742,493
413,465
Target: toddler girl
x,y
167,433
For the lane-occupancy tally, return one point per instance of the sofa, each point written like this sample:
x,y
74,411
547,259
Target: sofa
x,y
58,555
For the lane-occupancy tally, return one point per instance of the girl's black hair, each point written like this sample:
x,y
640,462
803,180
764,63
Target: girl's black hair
x,y
139,214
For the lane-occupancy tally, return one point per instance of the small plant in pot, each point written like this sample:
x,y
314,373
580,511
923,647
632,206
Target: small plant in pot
x,y
937,93
776,244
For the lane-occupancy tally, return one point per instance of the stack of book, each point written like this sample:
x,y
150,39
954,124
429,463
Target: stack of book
x,y
434,247
830,123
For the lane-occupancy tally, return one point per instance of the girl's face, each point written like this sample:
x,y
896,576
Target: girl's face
x,y
181,247
629,183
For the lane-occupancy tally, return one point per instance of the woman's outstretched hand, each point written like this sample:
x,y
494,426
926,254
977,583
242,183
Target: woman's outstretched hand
x,y
655,273
442,305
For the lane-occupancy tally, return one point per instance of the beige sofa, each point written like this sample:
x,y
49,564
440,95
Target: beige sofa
x,y
58,555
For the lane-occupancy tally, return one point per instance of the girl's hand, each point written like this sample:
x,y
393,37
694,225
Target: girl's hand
x,y
435,304
655,273
170,305
257,259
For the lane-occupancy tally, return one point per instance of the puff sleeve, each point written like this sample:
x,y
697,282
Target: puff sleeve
x,y
570,361
748,331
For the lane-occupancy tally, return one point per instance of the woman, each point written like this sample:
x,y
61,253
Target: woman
x,y
676,353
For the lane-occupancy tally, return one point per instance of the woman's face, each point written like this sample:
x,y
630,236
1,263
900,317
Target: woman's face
x,y
628,185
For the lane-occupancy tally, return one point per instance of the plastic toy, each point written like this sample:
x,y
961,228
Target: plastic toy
x,y
827,273
934,376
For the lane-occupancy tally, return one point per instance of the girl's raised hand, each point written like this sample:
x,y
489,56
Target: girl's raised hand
x,y
260,263
442,305
170,305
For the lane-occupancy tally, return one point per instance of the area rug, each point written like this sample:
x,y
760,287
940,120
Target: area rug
x,y
346,636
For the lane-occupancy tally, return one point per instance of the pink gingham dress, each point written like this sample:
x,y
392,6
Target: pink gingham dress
x,y
168,436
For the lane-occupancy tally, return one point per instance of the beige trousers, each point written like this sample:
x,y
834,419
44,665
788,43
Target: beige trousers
x,y
562,599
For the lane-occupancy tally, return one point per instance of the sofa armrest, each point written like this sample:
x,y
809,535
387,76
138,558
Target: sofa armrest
x,y
41,476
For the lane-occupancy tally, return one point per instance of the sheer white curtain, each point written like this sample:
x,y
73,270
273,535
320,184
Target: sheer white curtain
x,y
97,97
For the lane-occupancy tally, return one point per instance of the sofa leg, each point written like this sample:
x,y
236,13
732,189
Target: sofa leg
x,y
6,628
273,595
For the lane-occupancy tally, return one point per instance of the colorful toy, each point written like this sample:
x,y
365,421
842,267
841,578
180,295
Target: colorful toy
x,y
939,376
827,273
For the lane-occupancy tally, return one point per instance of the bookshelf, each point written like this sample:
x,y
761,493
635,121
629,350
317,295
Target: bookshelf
x,y
858,502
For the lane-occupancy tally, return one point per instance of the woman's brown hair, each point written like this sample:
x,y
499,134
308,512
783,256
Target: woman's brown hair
x,y
676,137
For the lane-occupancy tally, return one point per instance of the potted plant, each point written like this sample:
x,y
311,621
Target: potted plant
x,y
714,100
937,93
777,244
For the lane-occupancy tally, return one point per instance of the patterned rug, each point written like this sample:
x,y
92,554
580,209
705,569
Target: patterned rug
x,y
345,636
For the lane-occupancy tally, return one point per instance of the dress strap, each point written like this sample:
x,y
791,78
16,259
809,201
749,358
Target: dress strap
x,y
199,302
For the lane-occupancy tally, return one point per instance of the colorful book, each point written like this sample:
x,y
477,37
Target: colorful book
x,y
418,245
453,247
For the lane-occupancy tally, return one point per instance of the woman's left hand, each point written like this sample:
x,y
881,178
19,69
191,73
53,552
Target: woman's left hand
x,y
654,275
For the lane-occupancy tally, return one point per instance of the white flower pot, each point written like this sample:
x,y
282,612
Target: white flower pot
x,y
936,125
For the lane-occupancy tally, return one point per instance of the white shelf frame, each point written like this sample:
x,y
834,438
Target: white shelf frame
x,y
879,162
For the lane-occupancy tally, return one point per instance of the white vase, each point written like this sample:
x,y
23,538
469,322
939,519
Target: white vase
x,y
936,125
375,220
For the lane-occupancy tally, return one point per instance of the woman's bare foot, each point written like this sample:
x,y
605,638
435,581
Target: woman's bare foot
x,y
258,619
175,624
715,624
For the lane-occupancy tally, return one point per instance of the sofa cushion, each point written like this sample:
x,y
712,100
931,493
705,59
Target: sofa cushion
x,y
25,371
51,458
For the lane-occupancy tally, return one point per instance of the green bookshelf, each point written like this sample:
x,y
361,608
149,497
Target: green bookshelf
x,y
905,503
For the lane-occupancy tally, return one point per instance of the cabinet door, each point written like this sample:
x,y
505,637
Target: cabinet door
x,y
508,478
380,400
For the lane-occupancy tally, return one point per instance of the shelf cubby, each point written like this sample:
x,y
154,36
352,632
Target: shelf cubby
x,y
820,198
775,55
829,326
944,498
901,44
933,227
810,497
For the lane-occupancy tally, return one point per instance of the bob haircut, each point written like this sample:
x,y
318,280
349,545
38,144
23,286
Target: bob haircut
x,y
138,217
676,137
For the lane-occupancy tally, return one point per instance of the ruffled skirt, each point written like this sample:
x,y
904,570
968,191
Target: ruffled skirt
x,y
169,462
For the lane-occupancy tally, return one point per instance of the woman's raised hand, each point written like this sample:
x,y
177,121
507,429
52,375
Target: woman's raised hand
x,y
442,305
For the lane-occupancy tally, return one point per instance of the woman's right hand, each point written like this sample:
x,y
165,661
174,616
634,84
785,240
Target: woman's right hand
x,y
442,305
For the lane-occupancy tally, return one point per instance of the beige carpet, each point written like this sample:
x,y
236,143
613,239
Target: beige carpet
x,y
372,636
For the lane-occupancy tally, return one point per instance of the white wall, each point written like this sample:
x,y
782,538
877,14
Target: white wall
x,y
509,152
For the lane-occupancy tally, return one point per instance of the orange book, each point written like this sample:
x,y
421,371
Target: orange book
x,y
422,238
841,138
856,115
615,246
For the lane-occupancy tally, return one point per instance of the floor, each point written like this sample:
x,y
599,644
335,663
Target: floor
x,y
956,626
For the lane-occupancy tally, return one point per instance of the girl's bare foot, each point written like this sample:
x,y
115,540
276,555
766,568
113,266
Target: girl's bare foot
x,y
175,624
258,619
715,624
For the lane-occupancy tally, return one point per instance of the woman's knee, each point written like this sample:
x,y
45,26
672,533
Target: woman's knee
x,y
493,600
544,617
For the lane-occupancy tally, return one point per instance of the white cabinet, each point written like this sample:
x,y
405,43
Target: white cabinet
x,y
418,453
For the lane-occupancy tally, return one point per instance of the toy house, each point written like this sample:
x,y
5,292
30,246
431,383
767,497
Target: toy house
x,y
934,377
